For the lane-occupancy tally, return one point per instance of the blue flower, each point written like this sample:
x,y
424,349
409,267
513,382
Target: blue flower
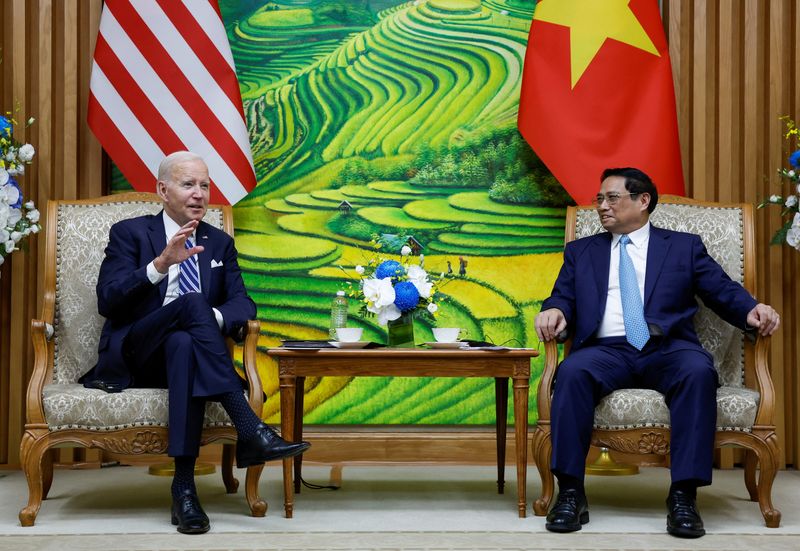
x,y
794,159
406,296
389,268
5,126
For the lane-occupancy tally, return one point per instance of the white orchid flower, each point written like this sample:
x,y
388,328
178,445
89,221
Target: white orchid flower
x,y
3,176
10,246
14,216
775,198
791,201
35,228
432,307
419,278
15,236
26,153
405,251
388,313
359,269
33,215
378,293
2,259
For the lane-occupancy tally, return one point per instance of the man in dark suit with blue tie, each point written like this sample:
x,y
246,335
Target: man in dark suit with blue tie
x,y
628,297
171,290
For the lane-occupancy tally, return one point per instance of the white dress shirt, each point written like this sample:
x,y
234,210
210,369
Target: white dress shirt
x,y
171,227
613,325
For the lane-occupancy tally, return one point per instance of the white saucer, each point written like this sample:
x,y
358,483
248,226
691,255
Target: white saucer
x,y
454,344
354,344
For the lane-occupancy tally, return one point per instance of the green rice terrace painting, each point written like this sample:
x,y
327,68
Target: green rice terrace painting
x,y
398,120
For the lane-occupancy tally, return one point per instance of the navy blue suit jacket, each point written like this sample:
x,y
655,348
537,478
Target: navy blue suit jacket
x,y
125,294
678,269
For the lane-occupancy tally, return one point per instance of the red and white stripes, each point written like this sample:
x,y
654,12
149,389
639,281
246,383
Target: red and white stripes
x,y
164,80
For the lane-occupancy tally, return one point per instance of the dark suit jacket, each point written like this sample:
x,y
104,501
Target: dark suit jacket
x,y
678,269
125,294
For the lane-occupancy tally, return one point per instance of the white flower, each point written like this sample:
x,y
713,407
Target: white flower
x,y
26,231
405,251
432,307
35,228
29,205
419,278
790,174
16,236
775,198
380,296
10,246
11,155
5,210
16,170
11,194
2,259
791,201
387,314
14,216
33,215
4,235
359,269
793,237
3,176
796,220
26,153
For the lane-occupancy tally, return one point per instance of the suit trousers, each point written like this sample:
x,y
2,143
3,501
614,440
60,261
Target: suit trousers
x,y
685,377
180,346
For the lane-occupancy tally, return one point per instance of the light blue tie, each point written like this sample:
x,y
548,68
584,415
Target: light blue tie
x,y
189,279
636,330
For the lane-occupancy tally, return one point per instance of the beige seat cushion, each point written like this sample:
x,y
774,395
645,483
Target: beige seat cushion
x,y
638,408
73,406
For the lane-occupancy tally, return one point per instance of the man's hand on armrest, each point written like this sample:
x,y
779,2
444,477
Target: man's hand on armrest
x,y
764,318
550,323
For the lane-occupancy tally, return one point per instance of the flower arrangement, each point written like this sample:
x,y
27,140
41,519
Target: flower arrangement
x,y
789,233
389,288
18,219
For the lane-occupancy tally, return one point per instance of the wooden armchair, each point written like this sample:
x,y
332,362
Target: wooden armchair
x,y
637,420
60,411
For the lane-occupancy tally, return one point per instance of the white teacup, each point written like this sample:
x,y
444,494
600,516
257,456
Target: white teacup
x,y
349,334
446,334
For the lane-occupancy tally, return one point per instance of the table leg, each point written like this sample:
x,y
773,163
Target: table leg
x,y
288,386
501,425
298,430
521,387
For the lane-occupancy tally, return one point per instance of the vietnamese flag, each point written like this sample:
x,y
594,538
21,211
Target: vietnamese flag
x,y
597,93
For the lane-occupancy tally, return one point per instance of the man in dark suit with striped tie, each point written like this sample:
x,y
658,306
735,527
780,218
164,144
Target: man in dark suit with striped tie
x,y
628,296
171,290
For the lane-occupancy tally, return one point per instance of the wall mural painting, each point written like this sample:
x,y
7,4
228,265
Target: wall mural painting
x,y
395,120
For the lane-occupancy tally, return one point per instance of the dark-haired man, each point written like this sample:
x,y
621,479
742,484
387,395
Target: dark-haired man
x,y
628,296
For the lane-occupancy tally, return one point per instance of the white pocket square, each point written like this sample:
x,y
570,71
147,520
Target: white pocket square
x,y
216,263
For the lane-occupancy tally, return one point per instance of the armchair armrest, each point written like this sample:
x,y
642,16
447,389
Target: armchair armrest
x,y
41,333
766,405
546,382
256,390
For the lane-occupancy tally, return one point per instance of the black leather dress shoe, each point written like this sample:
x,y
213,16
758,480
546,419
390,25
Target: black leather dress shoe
x,y
187,514
266,445
683,520
570,511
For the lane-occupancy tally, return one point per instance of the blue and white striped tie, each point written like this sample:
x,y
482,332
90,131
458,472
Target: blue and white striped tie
x,y
636,331
189,279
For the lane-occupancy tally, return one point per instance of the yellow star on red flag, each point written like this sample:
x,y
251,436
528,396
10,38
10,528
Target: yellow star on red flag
x,y
591,22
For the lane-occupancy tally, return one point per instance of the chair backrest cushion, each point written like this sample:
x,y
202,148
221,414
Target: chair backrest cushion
x,y
81,239
722,231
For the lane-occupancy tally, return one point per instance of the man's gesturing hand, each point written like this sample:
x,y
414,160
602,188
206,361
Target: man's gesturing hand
x,y
550,323
176,252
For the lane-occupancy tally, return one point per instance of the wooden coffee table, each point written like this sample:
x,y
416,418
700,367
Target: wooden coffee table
x,y
294,365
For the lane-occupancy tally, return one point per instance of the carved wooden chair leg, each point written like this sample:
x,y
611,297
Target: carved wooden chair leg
x,y
750,464
230,481
541,451
33,453
258,507
48,460
767,453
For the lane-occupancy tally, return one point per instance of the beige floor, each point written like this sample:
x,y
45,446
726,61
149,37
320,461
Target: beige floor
x,y
422,508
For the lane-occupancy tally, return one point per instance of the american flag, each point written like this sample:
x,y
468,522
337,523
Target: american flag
x,y
164,80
